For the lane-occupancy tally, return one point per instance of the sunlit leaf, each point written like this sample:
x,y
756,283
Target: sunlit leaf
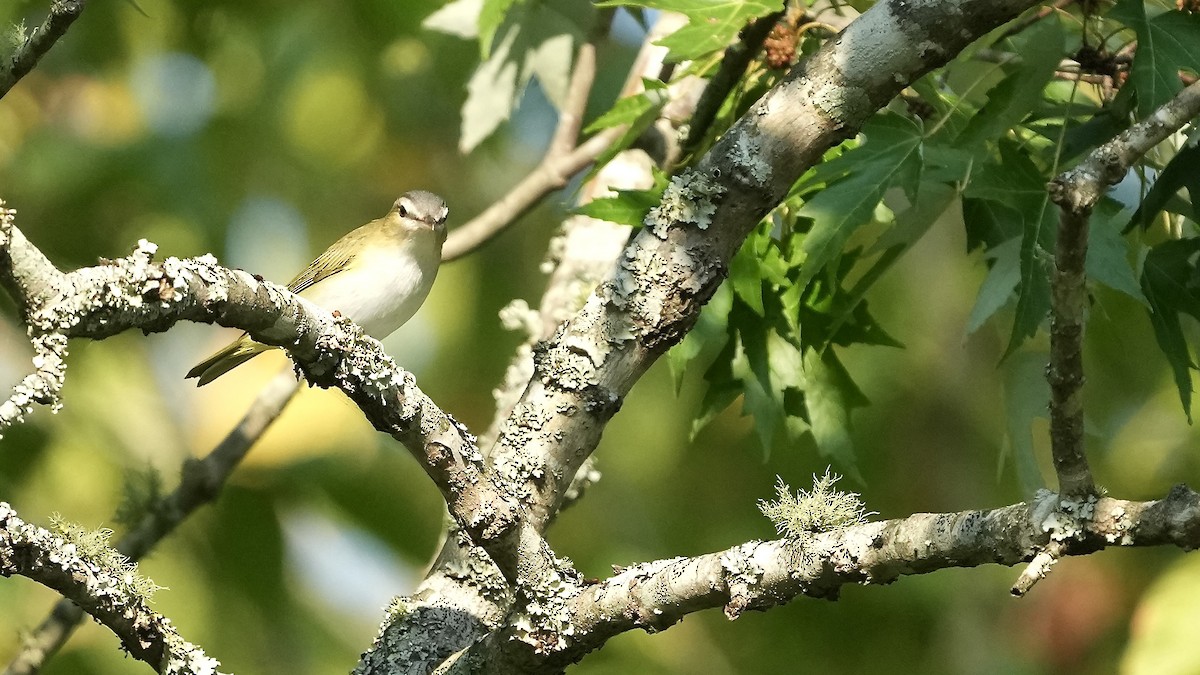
x,y
629,109
712,24
460,18
534,38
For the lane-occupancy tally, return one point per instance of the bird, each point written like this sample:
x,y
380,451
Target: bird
x,y
377,275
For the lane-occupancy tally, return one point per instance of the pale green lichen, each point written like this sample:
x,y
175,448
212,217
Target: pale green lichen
x,y
821,509
93,545
18,35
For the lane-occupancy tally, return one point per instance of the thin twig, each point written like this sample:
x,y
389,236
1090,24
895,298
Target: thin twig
x,y
1037,569
1069,300
550,175
563,159
1028,20
729,73
62,14
579,89
1076,192
200,484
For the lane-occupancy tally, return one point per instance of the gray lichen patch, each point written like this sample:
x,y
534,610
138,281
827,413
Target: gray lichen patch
x,y
545,622
689,198
748,161
1070,518
743,577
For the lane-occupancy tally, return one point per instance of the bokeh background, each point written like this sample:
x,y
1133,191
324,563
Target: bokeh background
x,y
260,132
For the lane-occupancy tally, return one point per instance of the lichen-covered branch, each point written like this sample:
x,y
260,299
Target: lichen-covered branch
x,y
102,591
758,575
35,45
200,483
463,596
677,261
1076,192
136,292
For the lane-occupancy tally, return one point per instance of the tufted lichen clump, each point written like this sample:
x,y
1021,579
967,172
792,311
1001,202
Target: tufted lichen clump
x,y
93,545
821,509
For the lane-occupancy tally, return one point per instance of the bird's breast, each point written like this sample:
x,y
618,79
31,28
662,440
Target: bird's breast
x,y
380,291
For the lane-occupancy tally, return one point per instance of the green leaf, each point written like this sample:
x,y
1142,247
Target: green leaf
x,y
891,156
627,207
745,278
1183,171
830,397
1011,101
829,315
767,366
1169,280
656,96
1026,398
1108,254
629,109
712,24
989,223
998,286
722,388
1166,44
491,16
706,339
1017,182
536,38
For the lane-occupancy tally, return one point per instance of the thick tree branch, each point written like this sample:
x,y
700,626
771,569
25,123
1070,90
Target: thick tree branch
x,y
62,14
201,482
136,292
102,591
675,263
464,595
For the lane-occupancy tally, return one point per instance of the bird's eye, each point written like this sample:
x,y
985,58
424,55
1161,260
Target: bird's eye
x,y
403,211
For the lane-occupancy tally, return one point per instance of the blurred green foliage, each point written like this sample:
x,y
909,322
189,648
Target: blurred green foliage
x,y
261,131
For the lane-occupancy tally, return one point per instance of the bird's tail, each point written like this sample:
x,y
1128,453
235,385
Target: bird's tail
x,y
233,355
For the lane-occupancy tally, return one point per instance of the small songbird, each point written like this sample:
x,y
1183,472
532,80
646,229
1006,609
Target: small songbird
x,y
377,275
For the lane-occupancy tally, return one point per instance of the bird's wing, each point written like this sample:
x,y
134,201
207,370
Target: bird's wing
x,y
329,263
